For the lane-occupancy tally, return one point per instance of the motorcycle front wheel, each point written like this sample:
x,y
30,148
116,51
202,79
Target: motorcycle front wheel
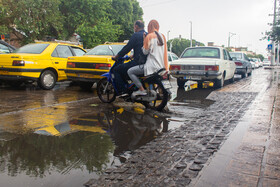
x,y
106,91
161,100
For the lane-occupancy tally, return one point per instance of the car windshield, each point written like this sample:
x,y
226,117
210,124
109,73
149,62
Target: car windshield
x,y
238,56
32,48
201,53
105,50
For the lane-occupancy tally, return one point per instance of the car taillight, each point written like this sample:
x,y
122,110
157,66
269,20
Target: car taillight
x,y
211,68
238,63
175,67
102,66
18,63
71,65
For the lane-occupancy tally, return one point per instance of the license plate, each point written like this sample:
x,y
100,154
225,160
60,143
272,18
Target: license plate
x,y
4,72
192,78
166,84
84,75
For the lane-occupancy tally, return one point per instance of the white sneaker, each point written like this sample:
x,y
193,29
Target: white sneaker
x,y
139,92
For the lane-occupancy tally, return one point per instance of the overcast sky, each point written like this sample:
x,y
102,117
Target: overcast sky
x,y
212,20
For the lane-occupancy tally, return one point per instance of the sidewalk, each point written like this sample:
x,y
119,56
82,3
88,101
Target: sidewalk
x,y
251,155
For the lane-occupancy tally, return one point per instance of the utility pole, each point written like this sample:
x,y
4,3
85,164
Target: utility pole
x,y
191,33
230,34
273,42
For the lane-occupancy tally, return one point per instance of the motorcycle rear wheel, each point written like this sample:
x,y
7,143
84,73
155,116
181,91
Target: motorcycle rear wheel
x,y
106,91
162,98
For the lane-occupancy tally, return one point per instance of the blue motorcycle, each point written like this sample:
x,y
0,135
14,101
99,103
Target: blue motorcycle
x,y
157,86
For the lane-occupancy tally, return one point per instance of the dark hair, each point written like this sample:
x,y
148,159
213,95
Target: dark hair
x,y
160,42
140,24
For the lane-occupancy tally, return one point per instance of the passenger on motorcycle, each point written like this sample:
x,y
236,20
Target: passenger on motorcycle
x,y
156,48
135,43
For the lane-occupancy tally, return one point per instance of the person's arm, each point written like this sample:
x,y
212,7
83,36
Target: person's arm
x,y
165,55
128,46
146,45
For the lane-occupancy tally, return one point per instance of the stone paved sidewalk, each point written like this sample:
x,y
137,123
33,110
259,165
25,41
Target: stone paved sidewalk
x,y
228,145
251,156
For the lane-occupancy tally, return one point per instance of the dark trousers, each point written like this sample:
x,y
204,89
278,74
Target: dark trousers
x,y
120,73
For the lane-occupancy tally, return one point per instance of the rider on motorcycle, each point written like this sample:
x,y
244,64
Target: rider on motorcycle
x,y
135,43
156,48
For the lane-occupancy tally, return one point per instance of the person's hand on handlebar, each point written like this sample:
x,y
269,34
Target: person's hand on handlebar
x,y
115,58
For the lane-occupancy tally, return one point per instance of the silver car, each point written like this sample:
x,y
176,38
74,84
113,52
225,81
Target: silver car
x,y
242,62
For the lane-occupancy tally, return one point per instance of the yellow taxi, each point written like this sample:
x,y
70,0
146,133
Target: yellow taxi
x,y
44,62
87,69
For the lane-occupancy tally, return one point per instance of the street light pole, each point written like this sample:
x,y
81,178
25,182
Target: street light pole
x,y
230,34
168,35
191,33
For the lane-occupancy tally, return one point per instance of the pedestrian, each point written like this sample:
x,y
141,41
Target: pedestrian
x,y
156,48
135,43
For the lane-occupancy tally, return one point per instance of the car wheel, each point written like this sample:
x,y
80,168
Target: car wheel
x,y
231,80
249,74
86,85
243,75
47,80
219,83
181,83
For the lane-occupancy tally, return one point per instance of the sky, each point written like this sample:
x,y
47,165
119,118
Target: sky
x,y
213,20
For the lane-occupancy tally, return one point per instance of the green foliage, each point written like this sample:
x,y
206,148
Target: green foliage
x,y
178,46
260,56
96,21
34,19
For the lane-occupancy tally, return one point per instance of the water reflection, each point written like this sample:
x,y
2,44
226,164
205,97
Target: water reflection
x,y
87,144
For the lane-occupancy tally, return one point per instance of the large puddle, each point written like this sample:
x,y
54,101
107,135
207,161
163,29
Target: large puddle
x,y
49,143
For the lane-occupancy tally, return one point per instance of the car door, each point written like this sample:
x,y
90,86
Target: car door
x,y
228,64
59,59
232,64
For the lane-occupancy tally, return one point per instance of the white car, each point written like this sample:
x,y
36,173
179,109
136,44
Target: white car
x,y
204,64
172,57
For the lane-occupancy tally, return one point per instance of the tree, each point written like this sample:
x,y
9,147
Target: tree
x,y
179,45
96,21
35,19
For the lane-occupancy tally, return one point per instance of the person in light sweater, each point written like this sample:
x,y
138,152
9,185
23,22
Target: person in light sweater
x,y
155,47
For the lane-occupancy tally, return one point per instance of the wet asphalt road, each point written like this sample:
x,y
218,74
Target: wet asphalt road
x,y
66,136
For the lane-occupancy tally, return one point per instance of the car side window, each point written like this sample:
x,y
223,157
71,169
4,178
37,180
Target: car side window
x,y
78,51
174,57
246,58
63,51
4,49
225,55
169,58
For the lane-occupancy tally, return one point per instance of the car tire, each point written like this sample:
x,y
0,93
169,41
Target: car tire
x,y
219,83
181,83
47,80
231,80
86,85
243,75
249,74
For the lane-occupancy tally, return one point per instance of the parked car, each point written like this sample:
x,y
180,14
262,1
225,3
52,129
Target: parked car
x,y
172,57
266,62
256,61
5,47
86,70
204,64
43,62
243,64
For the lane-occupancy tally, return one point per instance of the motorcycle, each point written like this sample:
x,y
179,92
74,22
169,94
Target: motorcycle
x,y
157,86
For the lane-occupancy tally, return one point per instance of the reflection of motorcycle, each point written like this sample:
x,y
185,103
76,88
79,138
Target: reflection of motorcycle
x,y
156,84
131,129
